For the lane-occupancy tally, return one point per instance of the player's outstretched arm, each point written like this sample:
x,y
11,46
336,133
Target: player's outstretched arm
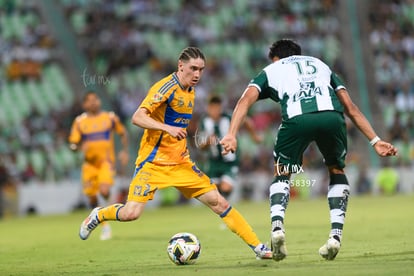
x,y
249,97
360,121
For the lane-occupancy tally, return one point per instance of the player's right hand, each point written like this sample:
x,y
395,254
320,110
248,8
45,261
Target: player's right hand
x,y
229,144
177,132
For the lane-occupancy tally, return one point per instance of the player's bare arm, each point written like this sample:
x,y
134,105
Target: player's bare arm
x,y
249,97
142,119
360,121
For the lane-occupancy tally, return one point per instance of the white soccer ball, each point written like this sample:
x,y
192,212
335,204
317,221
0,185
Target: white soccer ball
x,y
183,248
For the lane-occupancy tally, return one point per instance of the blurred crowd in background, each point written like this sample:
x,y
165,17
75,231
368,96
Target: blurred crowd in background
x,y
136,42
392,42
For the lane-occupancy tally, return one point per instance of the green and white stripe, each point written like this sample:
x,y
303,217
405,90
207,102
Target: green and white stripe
x,y
302,84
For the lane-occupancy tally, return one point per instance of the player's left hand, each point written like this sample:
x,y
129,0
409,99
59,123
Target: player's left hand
x,y
229,144
385,149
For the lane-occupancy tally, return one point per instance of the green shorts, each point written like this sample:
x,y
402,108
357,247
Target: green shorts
x,y
326,128
219,170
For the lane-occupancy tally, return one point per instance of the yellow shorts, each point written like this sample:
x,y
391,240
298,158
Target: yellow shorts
x,y
186,177
93,177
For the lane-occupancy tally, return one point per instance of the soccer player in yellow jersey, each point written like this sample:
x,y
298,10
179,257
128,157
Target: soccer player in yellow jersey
x,y
163,158
92,133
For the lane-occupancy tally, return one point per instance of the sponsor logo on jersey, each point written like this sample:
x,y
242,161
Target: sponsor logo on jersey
x,y
185,121
180,101
307,91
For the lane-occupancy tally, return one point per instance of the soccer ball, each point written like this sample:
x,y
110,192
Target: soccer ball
x,y
183,248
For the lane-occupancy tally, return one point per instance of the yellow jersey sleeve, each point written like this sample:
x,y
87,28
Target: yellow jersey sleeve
x,y
75,135
117,125
158,94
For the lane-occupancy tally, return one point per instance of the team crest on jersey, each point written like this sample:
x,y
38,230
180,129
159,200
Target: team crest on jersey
x,y
180,101
307,91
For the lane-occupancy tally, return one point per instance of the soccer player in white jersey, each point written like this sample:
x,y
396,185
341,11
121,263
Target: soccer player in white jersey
x,y
214,124
313,103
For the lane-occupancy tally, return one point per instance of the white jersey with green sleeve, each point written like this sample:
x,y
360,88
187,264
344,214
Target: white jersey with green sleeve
x,y
302,84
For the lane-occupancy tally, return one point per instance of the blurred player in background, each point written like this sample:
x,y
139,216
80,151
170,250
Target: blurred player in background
x,y
92,133
222,169
163,158
313,100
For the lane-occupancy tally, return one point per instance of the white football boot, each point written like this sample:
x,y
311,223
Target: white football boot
x,y
262,252
89,224
330,249
278,245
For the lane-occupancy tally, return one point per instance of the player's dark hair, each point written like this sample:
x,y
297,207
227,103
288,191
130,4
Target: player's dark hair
x,y
284,48
87,93
215,99
191,52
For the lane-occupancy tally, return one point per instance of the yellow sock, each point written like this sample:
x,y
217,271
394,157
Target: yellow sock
x,y
236,223
110,212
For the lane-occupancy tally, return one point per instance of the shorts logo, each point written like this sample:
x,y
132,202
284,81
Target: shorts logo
x,y
197,171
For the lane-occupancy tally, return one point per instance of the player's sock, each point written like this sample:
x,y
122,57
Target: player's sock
x,y
279,199
338,194
110,212
237,224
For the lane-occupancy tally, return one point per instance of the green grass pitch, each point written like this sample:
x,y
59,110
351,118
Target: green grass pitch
x,y
378,240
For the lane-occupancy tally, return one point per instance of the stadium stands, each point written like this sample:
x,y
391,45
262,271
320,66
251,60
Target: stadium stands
x,y
392,42
34,93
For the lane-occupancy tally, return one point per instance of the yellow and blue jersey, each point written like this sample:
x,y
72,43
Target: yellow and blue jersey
x,y
95,132
169,103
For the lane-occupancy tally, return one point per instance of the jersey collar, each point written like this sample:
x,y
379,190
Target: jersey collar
x,y
177,80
